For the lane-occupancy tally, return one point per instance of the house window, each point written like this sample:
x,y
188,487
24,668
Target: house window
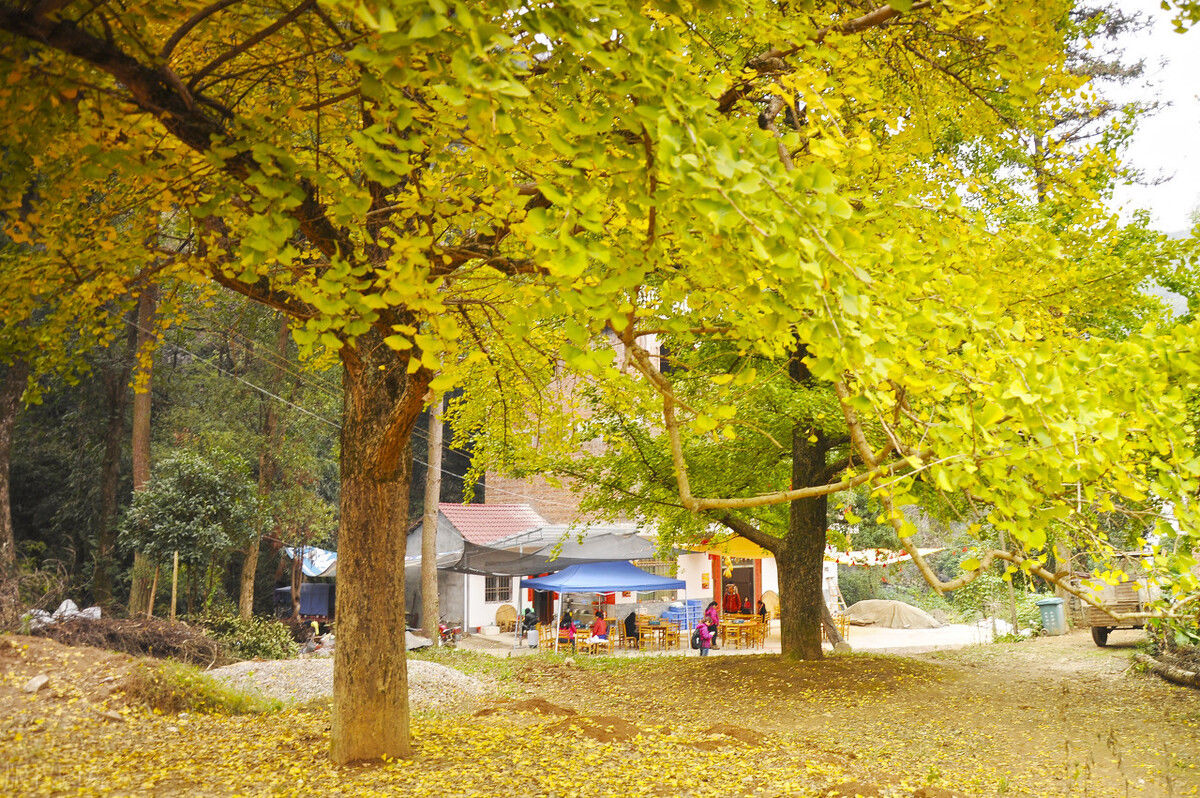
x,y
497,589
658,568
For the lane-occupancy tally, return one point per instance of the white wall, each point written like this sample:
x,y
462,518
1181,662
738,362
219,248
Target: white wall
x,y
770,575
480,612
691,568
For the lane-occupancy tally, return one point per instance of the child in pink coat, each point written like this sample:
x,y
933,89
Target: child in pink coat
x,y
706,638
712,620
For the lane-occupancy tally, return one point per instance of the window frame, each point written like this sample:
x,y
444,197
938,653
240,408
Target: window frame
x,y
498,586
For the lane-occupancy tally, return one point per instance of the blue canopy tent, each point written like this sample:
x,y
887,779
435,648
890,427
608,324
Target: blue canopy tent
x,y
601,577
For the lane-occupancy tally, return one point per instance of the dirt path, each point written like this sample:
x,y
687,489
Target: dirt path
x,y
1051,716
1047,716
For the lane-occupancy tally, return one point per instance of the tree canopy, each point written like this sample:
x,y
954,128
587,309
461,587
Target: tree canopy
x,y
430,188
193,505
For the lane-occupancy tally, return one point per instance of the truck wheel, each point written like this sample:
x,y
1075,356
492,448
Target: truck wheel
x,y
1100,635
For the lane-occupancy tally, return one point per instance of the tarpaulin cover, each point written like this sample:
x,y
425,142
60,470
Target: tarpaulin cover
x,y
316,562
892,614
472,558
603,577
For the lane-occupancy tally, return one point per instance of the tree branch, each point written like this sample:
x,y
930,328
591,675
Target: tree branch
x,y
772,61
282,22
193,21
752,533
151,91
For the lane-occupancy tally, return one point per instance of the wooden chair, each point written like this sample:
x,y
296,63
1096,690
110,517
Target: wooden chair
x,y
672,637
624,640
506,617
648,636
603,646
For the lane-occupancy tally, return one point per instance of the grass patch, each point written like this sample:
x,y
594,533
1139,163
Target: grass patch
x,y
175,687
472,663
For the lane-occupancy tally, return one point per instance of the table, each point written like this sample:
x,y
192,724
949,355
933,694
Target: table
x,y
658,633
744,633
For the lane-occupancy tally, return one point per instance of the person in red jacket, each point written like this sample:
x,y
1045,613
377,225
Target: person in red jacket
x,y
732,603
599,629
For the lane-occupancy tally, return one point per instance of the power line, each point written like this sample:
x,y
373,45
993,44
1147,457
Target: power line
x,y
334,424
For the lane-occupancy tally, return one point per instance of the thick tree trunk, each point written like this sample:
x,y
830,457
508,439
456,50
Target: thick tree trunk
x,y
801,558
12,386
268,469
116,389
143,569
433,491
370,677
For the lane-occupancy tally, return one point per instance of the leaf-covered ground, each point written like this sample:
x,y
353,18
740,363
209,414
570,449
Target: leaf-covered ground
x,y
1053,716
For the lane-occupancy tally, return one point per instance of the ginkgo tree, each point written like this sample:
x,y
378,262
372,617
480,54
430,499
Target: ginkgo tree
x,y
421,186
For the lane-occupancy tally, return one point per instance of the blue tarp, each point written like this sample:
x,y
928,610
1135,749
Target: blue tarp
x,y
316,599
603,577
316,562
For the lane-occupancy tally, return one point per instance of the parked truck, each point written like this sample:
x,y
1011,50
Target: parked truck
x,y
1134,594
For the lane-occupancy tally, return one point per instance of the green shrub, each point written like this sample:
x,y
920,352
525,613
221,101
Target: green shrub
x,y
857,584
987,596
257,638
175,687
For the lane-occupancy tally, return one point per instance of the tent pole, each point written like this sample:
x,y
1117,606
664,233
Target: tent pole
x,y
520,619
558,624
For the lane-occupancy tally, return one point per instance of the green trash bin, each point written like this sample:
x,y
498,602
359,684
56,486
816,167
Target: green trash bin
x,y
1054,618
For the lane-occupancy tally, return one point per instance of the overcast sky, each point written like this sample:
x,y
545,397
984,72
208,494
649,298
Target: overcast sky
x,y
1168,143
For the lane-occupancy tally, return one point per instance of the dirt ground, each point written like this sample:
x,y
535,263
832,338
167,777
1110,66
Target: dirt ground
x,y
1049,716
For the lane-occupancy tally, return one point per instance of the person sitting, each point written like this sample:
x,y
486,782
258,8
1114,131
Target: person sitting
x,y
762,611
746,609
566,629
631,632
529,622
599,629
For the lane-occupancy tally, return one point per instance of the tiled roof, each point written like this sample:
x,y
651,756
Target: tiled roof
x,y
484,523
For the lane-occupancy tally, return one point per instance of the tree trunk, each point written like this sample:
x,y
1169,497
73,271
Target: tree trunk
x,y
143,569
117,393
801,558
268,467
370,677
831,630
433,492
297,580
12,386
246,588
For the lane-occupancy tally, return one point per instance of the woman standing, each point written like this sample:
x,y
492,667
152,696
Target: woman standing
x,y
733,602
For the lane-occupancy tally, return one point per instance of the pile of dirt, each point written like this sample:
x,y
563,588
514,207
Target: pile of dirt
x,y
150,637
40,678
538,706
601,728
